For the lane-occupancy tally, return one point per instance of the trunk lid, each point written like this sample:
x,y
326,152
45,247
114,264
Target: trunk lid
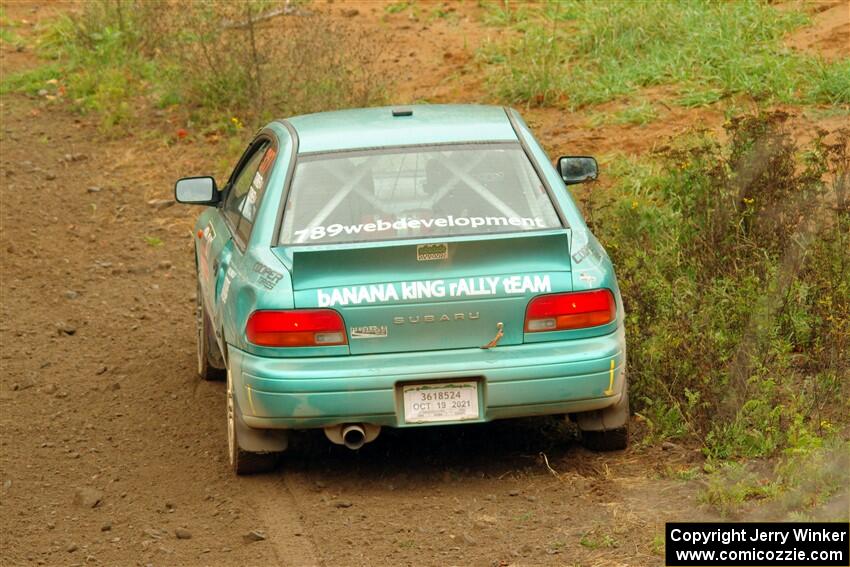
x,y
401,297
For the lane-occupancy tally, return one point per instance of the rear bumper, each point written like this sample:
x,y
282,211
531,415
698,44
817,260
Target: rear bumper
x,y
514,381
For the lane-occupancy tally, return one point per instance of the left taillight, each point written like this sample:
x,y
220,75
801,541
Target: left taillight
x,y
296,328
564,311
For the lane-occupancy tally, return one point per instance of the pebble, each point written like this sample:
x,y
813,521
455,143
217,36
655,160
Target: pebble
x,y
342,504
94,189
349,12
7,484
183,533
255,535
165,265
88,497
72,548
63,328
71,294
50,176
106,527
669,446
513,492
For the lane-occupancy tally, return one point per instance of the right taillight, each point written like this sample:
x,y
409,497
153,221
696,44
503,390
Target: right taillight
x,y
296,328
563,311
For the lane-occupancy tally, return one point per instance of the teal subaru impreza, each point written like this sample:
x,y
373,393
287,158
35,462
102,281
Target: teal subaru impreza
x,y
403,267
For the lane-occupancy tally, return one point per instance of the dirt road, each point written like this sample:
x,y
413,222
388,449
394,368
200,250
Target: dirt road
x,y
112,451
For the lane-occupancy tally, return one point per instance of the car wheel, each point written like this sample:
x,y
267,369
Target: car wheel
x,y
206,370
606,429
244,462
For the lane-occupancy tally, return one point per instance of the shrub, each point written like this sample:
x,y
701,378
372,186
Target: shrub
x,y
734,269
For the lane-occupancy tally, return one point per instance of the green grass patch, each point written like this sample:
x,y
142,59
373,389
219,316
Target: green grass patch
x,y
579,53
204,62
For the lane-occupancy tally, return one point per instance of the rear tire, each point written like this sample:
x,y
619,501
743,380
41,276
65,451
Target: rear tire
x,y
606,429
244,462
207,369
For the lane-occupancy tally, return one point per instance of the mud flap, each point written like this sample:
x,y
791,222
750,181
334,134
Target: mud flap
x,y
259,440
607,419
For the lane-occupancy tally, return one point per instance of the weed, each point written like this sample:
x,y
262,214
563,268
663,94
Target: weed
x,y
505,13
640,114
524,517
153,241
594,540
396,7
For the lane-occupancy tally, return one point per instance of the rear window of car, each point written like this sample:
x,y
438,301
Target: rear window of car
x,y
413,193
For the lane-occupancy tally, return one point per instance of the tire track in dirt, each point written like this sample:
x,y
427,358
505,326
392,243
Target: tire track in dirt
x,y
277,505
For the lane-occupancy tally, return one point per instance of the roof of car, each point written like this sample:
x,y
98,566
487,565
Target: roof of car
x,y
379,127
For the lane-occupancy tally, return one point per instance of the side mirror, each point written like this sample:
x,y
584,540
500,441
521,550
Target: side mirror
x,y
577,169
196,191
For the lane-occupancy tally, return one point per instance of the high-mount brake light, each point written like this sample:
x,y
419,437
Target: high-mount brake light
x,y
575,310
296,328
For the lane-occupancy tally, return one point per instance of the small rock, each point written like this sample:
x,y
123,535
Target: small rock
x,y
51,525
106,527
88,497
63,328
50,176
164,265
71,294
101,370
115,386
513,492
94,189
183,533
531,498
669,446
255,535
42,92
349,12
342,504
72,548
7,484
152,533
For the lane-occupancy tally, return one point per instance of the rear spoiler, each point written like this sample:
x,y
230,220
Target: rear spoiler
x,y
376,262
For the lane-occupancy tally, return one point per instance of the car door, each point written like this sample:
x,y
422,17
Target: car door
x,y
236,220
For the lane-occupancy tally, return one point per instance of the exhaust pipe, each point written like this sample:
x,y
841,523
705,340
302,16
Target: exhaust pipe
x,y
352,435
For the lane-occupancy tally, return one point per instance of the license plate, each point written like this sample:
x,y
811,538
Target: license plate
x,y
426,403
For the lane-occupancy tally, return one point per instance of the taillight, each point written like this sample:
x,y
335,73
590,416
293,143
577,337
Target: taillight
x,y
296,328
561,311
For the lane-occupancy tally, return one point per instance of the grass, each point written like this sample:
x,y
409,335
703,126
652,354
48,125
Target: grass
x,y
578,53
203,63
